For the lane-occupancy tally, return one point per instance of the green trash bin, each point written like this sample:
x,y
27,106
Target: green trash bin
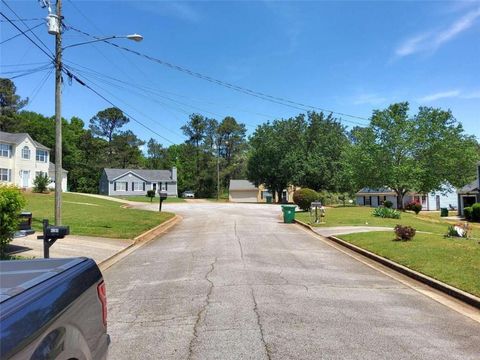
x,y
268,199
443,212
288,213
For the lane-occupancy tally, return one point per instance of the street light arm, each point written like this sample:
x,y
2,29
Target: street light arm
x,y
134,37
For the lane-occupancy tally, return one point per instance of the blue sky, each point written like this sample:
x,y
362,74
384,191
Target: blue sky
x,y
351,57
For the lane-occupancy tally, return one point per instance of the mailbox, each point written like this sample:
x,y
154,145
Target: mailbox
x,y
163,194
57,232
50,235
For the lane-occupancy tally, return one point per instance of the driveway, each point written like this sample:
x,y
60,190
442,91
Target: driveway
x,y
232,282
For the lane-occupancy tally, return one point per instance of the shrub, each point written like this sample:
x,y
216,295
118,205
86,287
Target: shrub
x,y
150,194
476,212
384,212
467,212
388,204
404,233
304,197
414,206
11,203
40,183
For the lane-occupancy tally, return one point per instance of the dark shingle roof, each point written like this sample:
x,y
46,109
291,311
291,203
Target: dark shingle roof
x,y
148,175
469,188
379,191
242,185
17,138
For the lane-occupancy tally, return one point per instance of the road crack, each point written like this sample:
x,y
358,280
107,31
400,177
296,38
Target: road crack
x,y
201,312
239,243
260,326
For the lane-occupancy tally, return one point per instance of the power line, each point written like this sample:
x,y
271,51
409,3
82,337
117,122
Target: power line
x,y
261,95
83,83
36,91
32,19
15,36
28,37
23,22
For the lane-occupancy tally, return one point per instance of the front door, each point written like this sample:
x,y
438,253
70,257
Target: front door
x,y
25,178
437,200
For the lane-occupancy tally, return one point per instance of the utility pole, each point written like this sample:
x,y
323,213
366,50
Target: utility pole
x,y
218,170
58,117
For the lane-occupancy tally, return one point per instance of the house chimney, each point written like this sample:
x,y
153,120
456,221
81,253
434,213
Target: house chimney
x,y
174,173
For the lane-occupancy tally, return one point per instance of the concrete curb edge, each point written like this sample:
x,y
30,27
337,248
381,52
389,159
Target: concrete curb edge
x,y
139,241
436,284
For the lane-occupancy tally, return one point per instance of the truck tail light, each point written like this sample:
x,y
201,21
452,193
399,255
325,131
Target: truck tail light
x,y
102,296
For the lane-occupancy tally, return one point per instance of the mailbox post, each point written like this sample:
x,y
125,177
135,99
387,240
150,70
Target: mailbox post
x,y
50,235
163,195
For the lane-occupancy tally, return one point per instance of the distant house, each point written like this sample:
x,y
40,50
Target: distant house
x,y
246,192
431,201
470,193
137,182
22,159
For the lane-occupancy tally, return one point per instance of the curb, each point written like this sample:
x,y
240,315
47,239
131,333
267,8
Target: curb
x,y
427,280
139,241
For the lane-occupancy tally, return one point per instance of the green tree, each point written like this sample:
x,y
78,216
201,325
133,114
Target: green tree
x,y
325,142
126,150
107,123
156,155
10,104
419,153
276,154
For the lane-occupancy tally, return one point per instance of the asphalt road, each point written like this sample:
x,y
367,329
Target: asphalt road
x,y
233,282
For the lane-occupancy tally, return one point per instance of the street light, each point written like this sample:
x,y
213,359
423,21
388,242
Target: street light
x,y
134,37
54,23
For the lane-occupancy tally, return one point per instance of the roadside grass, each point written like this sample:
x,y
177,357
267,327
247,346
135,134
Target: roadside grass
x,y
362,216
92,216
455,261
143,198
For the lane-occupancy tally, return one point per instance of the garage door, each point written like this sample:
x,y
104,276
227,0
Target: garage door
x,y
243,196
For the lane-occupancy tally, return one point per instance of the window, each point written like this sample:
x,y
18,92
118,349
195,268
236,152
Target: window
x,y
25,153
381,200
42,156
138,186
40,173
5,150
368,201
5,174
120,186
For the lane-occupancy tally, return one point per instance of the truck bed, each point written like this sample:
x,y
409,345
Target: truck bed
x,y
14,281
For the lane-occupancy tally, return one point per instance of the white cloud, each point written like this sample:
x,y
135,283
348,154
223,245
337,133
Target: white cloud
x,y
474,94
440,95
432,40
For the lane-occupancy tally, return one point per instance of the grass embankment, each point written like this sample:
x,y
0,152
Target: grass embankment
x,y
454,261
143,198
93,216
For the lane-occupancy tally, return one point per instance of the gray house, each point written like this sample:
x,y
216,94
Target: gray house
x,y
469,194
137,182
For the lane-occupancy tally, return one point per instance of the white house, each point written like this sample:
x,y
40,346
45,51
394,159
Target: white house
x,y
430,201
137,181
22,159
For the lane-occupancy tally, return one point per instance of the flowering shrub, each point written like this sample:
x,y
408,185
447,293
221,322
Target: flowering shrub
x,y
414,206
404,233
384,212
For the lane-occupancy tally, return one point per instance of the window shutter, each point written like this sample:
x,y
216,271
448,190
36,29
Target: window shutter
x,y
114,186
126,185
9,175
166,186
144,186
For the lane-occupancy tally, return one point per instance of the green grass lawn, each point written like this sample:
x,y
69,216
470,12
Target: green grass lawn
x,y
358,216
93,216
143,198
454,261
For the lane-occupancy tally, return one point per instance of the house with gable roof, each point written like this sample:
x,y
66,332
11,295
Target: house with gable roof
x,y
125,182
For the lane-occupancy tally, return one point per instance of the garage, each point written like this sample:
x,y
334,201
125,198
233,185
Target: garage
x,y
243,191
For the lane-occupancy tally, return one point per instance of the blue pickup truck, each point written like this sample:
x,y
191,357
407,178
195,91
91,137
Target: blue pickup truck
x,y
52,309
